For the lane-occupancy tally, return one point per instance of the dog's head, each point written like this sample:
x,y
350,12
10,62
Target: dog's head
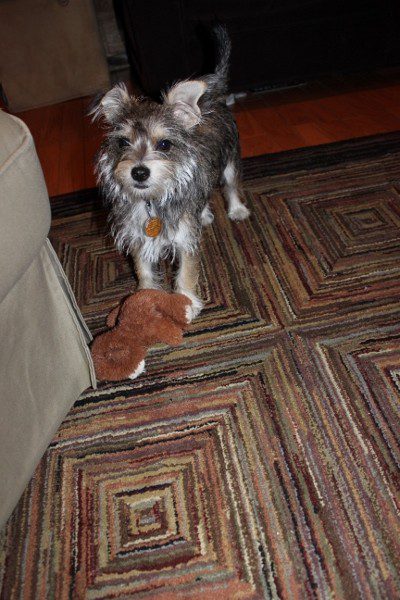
x,y
149,150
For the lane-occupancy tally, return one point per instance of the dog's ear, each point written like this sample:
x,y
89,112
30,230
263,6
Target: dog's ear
x,y
184,97
112,105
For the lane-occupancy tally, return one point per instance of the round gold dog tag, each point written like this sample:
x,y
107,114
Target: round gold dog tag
x,y
153,227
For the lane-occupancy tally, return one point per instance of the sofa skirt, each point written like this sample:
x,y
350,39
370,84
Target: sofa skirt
x,y
45,364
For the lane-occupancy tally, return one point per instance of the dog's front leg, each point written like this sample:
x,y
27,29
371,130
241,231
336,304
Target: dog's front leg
x,y
187,279
145,272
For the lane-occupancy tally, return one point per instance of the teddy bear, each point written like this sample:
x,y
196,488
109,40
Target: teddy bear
x,y
140,321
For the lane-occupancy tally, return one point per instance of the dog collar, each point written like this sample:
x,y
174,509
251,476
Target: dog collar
x,y
153,224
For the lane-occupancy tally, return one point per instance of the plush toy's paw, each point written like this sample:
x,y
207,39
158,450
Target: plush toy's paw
x,y
113,316
195,308
139,370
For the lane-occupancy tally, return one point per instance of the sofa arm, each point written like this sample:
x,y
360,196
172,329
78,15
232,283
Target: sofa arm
x,y
24,203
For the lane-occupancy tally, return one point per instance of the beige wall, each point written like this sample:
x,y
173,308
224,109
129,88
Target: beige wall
x,y
50,51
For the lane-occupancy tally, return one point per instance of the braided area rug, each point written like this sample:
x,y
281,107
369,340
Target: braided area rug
x,y
259,459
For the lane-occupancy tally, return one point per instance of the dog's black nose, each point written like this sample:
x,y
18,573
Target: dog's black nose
x,y
140,173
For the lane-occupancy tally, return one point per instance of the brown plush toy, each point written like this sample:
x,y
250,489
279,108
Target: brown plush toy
x,y
143,319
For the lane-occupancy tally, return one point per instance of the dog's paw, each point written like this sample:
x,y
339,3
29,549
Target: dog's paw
x,y
195,308
238,212
206,216
138,371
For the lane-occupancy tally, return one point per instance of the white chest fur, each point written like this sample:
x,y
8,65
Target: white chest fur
x,y
130,235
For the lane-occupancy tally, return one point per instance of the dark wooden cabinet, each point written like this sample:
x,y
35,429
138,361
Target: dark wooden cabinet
x,y
274,41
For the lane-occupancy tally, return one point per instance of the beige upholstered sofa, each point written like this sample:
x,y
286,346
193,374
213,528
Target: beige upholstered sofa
x,y
45,362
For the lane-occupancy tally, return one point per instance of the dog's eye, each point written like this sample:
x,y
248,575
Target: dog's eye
x,y
123,142
163,145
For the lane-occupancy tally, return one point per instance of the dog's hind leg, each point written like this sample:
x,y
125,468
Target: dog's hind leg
x,y
206,216
237,211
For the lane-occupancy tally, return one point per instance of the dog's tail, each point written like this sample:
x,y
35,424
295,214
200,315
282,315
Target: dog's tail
x,y
217,83
224,54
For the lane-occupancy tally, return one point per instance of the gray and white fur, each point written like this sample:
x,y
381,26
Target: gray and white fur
x,y
164,160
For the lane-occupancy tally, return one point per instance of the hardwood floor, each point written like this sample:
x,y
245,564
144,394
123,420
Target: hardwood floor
x,y
321,112
66,142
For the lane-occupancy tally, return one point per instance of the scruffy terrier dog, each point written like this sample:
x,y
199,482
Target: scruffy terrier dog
x,y
159,165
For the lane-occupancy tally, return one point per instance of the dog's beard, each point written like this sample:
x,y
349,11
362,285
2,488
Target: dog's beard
x,y
158,185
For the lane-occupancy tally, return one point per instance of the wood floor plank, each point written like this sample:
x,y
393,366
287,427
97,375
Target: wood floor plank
x,y
45,126
245,126
270,123
72,159
260,144
92,137
312,135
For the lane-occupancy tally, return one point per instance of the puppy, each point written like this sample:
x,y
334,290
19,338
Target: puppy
x,y
159,165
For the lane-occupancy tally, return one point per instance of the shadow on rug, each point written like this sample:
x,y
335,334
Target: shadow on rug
x,y
259,459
